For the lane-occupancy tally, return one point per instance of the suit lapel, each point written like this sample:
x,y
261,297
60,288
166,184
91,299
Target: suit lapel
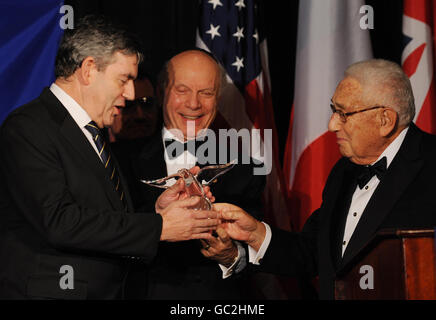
x,y
333,213
340,211
75,137
403,169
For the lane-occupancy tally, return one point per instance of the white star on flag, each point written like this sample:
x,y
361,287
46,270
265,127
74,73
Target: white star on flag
x,y
239,63
239,33
256,36
213,31
246,103
240,4
215,3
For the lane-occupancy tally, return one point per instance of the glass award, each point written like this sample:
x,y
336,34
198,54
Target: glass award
x,y
194,184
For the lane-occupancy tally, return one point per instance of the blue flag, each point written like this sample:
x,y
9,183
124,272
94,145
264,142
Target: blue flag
x,y
29,37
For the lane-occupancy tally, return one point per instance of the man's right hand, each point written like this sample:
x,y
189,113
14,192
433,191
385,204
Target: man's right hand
x,y
240,225
179,222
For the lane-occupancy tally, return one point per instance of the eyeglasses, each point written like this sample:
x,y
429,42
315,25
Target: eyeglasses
x,y
144,102
344,115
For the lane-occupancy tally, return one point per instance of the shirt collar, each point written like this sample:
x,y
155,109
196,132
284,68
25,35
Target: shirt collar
x,y
169,135
391,151
79,115
184,160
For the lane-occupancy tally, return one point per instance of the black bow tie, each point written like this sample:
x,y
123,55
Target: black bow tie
x,y
367,172
175,148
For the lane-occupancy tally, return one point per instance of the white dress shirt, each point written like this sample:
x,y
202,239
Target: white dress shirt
x,y
358,203
79,115
362,196
185,160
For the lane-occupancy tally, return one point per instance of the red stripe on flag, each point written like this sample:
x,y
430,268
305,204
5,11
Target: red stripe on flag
x,y
311,173
411,63
260,111
259,108
421,10
254,104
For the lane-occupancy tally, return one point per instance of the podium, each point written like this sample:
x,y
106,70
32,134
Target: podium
x,y
395,265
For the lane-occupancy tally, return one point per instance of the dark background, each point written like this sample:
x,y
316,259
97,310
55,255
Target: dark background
x,y
167,27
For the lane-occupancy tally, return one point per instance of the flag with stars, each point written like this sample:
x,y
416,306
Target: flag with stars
x,y
418,59
230,29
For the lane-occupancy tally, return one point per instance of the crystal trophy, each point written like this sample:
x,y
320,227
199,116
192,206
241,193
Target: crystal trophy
x,y
194,183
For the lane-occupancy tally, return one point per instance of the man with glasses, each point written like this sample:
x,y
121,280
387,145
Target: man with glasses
x,y
385,179
139,118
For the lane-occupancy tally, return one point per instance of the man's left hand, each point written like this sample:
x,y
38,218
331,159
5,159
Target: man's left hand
x,y
222,249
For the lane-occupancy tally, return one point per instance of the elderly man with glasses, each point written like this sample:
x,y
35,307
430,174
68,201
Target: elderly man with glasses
x,y
385,179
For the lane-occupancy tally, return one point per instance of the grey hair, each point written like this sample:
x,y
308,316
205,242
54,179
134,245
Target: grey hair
x,y
93,36
386,83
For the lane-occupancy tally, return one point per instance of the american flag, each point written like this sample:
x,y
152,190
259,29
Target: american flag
x,y
231,31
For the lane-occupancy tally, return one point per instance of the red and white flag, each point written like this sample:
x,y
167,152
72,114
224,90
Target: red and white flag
x,y
418,59
230,30
329,39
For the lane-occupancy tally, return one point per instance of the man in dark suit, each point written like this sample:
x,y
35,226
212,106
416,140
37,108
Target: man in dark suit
x,y
384,180
68,230
190,83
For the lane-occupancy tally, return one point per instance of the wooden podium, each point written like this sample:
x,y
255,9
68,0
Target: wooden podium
x,y
396,264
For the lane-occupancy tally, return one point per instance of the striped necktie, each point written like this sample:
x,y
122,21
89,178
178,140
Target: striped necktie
x,y
106,156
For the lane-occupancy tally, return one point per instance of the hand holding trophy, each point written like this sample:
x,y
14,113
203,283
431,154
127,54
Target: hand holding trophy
x,y
192,187
195,183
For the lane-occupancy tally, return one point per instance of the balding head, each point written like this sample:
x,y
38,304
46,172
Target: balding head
x,y
191,82
197,57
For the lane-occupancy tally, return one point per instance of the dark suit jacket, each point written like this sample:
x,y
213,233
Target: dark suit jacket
x,y
180,271
58,207
405,198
